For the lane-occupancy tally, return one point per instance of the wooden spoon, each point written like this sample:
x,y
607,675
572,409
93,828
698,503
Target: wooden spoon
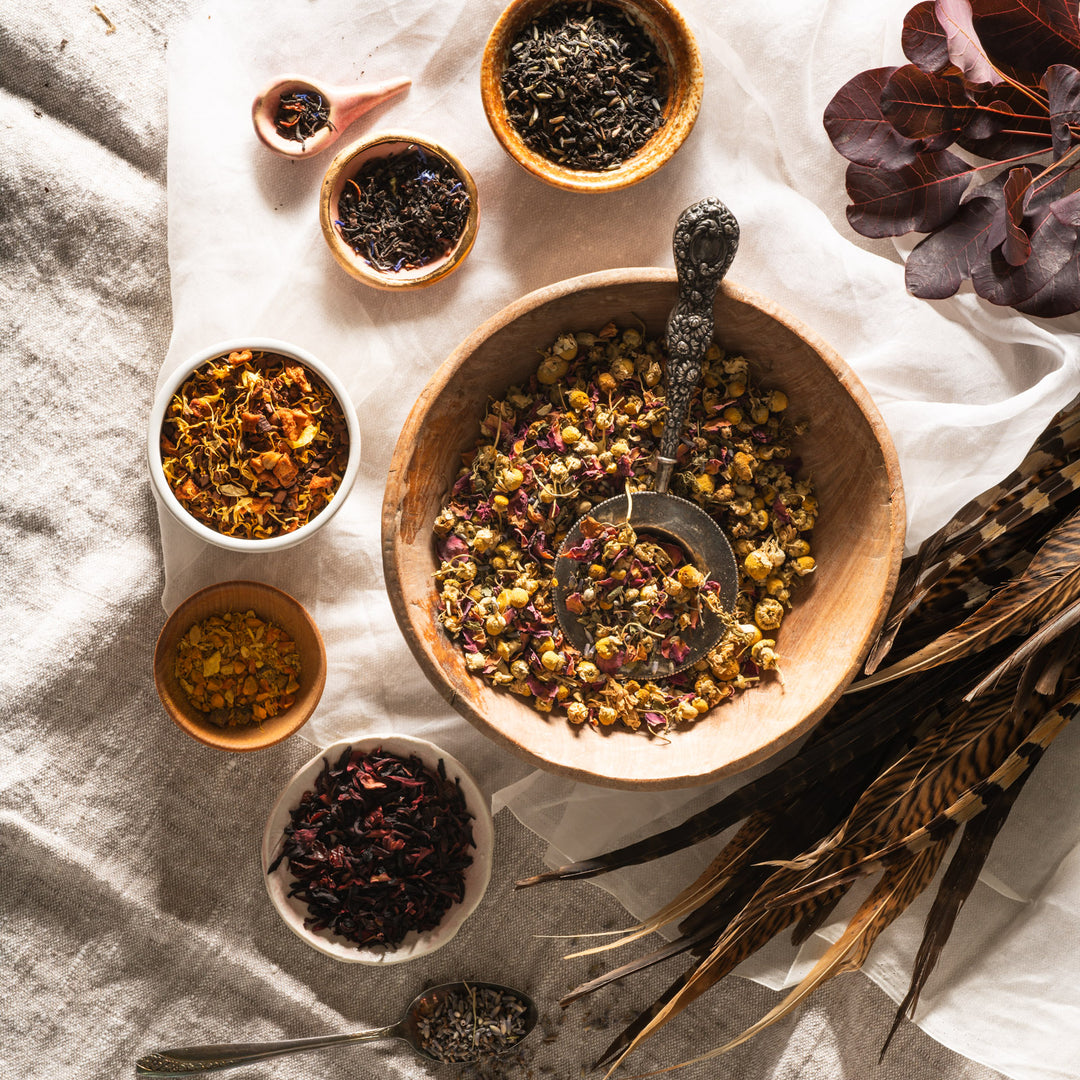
x,y
345,104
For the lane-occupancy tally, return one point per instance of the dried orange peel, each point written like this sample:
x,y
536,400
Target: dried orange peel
x,y
238,668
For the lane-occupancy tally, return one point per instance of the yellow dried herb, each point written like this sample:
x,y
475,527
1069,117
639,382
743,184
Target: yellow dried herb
x,y
254,444
238,668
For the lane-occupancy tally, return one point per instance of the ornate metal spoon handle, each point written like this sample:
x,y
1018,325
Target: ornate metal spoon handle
x,y
189,1060
706,238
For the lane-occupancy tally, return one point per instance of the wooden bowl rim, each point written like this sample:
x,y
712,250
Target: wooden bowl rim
x,y
239,739
357,267
661,147
409,615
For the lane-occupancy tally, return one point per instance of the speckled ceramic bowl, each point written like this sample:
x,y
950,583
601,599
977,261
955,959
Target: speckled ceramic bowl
x,y
415,945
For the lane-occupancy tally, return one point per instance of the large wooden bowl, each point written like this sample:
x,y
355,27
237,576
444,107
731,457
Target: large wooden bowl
x,y
858,541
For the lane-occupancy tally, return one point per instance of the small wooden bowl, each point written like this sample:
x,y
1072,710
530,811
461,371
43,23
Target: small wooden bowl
x,y
345,166
677,48
858,541
415,944
269,604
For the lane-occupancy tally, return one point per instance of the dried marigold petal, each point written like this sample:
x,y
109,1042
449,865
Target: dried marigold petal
x,y
227,432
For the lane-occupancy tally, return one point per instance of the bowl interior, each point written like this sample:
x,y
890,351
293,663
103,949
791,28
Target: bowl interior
x,y
677,49
269,604
414,945
858,541
345,166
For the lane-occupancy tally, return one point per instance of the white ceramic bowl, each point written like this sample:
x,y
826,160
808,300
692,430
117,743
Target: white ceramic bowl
x,y
294,911
164,493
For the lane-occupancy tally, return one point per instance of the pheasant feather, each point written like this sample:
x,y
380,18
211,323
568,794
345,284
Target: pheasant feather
x,y
915,584
944,824
956,885
986,625
889,899
1050,583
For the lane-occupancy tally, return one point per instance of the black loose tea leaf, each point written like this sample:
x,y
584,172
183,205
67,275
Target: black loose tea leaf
x,y
378,848
584,86
403,211
301,114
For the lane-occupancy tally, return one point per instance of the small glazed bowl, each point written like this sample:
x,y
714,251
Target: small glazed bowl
x,y
271,605
345,104
415,945
164,492
677,49
858,540
345,166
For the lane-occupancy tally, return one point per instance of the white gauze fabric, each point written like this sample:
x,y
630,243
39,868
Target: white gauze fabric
x,y
964,388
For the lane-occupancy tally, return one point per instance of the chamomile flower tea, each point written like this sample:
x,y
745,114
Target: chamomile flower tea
x,y
584,428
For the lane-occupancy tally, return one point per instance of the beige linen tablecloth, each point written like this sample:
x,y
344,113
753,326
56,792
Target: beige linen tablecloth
x,y
132,914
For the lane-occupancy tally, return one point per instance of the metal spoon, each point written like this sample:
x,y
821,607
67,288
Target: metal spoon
x,y
188,1060
346,104
705,240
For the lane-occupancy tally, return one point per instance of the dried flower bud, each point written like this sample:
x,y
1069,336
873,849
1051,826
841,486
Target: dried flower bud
x,y
764,654
607,648
757,565
483,540
510,480
768,613
565,347
687,711
577,713
551,370
690,576
553,661
588,672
